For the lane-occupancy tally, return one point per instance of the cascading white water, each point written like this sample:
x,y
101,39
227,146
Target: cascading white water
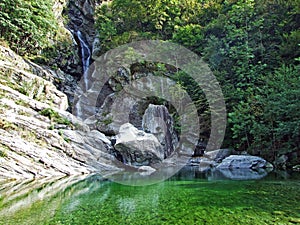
x,y
85,57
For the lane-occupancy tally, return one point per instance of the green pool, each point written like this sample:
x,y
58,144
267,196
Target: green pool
x,y
186,198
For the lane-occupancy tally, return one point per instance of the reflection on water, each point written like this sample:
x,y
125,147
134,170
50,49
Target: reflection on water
x,y
190,197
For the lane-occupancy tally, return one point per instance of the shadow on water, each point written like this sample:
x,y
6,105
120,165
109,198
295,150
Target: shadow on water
x,y
189,197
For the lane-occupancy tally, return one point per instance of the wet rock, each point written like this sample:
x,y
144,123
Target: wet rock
x,y
81,18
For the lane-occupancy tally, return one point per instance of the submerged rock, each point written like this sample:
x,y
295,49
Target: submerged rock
x,y
137,147
237,174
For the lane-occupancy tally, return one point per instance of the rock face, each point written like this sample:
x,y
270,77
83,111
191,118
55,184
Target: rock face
x,y
81,14
16,74
138,148
242,162
81,24
159,122
66,55
37,137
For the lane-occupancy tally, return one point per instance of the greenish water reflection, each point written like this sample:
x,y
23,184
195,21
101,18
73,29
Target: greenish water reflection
x,y
182,199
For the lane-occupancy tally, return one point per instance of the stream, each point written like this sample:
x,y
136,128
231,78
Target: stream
x,y
185,198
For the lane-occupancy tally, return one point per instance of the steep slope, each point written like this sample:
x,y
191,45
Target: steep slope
x,y
37,136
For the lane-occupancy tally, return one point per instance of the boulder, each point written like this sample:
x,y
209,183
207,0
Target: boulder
x,y
137,147
146,170
159,122
242,162
217,155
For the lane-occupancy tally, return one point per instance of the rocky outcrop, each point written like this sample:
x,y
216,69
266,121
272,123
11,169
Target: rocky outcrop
x,y
62,53
158,121
17,77
38,138
242,162
138,148
81,24
223,165
81,14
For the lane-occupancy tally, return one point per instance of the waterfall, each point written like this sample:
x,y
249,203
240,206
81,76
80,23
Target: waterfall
x,y
85,57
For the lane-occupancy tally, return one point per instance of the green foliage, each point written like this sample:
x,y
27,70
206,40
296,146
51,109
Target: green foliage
x,y
54,116
27,25
190,35
107,121
122,21
3,153
245,42
278,127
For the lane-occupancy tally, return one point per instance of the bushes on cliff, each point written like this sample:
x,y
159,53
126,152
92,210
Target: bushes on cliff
x,y
27,25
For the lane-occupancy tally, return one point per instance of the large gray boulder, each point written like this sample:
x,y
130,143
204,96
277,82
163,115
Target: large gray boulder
x,y
159,122
217,155
138,148
242,162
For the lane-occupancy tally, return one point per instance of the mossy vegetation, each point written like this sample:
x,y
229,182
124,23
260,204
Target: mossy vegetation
x,y
54,116
7,125
61,133
3,150
107,121
33,88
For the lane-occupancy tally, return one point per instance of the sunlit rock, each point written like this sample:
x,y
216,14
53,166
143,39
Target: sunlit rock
x,y
137,147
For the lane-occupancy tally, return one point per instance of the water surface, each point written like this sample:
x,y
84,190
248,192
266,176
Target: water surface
x,y
186,198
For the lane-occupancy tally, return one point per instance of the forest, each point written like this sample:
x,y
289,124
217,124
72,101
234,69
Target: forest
x,y
252,47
